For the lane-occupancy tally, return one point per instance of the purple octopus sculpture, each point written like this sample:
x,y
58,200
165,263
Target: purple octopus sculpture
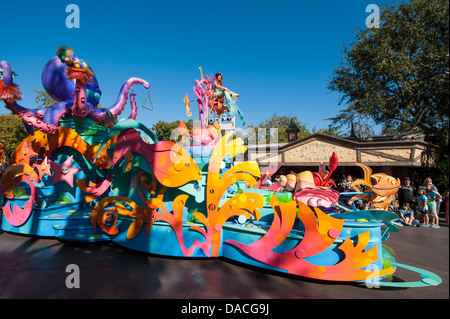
x,y
70,81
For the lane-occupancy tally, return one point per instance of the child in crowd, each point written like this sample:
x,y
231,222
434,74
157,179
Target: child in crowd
x,y
407,215
432,195
423,207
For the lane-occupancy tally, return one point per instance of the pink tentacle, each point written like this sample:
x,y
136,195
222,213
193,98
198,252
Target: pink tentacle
x,y
80,107
118,107
133,114
36,117
36,121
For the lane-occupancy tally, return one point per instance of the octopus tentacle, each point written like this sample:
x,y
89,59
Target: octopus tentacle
x,y
133,106
118,107
80,106
45,119
7,74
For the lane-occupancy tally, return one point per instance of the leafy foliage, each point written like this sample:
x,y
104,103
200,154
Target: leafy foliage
x,y
43,99
12,132
163,129
262,132
397,75
352,121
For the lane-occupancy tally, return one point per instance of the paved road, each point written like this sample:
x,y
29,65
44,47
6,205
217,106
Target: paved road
x,y
36,268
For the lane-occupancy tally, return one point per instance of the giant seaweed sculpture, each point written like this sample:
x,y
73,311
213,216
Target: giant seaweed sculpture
x,y
212,220
153,196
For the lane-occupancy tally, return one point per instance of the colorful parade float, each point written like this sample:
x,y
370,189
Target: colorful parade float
x,y
82,175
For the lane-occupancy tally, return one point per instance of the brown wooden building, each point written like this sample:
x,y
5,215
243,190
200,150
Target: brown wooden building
x,y
398,157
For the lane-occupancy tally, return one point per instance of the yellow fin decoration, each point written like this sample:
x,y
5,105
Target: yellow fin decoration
x,y
367,176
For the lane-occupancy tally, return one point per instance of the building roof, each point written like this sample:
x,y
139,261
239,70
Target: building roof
x,y
384,151
371,141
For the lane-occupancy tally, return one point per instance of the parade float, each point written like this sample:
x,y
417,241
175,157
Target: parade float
x,y
82,175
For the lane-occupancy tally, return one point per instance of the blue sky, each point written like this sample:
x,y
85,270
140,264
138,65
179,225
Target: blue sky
x,y
278,55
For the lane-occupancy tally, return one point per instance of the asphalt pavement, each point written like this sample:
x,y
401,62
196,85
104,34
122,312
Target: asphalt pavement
x,y
37,268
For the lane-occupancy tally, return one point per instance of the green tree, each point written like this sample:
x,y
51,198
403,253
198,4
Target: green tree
x,y
332,131
163,129
349,120
279,122
12,132
43,99
397,75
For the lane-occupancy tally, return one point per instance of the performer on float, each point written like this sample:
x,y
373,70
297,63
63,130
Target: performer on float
x,y
230,97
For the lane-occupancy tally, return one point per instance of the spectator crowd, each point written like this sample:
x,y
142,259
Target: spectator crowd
x,y
415,206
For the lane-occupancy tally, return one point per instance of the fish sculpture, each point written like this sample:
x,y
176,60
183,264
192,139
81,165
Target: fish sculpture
x,y
383,187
